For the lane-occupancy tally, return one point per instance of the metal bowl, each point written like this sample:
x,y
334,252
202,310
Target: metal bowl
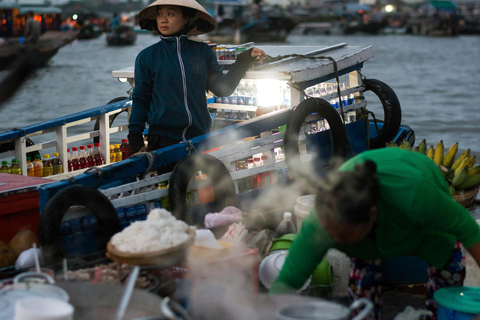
x,y
324,310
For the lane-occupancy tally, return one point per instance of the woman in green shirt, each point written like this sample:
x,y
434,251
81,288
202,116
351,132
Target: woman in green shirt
x,y
381,204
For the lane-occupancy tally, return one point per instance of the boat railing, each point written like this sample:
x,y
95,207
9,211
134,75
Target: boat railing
x,y
58,133
258,135
110,179
237,142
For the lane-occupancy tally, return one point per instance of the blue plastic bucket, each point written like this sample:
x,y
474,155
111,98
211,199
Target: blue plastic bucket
x,y
457,303
444,313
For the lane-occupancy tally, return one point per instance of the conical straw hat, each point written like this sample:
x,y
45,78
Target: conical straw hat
x,y
202,21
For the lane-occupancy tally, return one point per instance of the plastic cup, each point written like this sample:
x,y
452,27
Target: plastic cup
x,y
38,308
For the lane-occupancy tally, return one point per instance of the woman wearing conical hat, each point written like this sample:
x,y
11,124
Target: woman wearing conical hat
x,y
172,76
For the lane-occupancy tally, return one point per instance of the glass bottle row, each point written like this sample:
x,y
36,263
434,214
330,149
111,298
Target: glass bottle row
x,y
263,178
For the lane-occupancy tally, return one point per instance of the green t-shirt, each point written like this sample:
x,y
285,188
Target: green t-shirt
x,y
417,216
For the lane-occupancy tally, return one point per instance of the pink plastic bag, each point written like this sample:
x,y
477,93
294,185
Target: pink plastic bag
x,y
227,215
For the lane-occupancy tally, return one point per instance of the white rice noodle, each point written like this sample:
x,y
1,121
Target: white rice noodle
x,y
160,231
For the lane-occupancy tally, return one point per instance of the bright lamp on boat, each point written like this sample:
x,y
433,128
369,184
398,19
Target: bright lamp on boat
x,y
270,92
389,8
122,79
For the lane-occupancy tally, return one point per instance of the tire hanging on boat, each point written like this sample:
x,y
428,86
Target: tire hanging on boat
x,y
7,146
292,132
392,112
185,170
75,195
110,119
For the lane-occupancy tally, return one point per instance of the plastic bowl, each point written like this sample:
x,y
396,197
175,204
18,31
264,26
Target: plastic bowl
x,y
322,279
270,268
283,243
41,308
288,237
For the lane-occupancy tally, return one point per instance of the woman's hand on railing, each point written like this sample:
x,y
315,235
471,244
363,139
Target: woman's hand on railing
x,y
142,149
136,142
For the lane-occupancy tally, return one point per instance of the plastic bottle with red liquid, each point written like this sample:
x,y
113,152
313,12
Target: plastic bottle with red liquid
x,y
69,160
75,162
90,159
97,155
125,148
248,180
255,180
82,158
265,177
205,194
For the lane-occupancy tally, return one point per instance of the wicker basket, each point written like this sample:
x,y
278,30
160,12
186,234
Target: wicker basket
x,y
466,198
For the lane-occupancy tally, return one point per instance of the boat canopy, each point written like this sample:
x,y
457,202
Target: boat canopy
x,y
231,3
5,5
443,5
39,10
299,69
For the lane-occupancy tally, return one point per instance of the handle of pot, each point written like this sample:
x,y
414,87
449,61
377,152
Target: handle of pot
x,y
18,278
367,306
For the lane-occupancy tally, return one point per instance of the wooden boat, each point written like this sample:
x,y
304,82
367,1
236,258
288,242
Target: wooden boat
x,y
241,23
89,31
441,20
47,46
310,131
125,35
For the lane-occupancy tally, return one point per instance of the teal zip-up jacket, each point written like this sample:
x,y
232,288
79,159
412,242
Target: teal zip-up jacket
x,y
417,216
171,78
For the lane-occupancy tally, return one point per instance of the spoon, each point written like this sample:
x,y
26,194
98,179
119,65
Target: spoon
x,y
127,293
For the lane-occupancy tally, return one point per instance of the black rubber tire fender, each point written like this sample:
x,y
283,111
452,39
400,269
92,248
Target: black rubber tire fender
x,y
51,218
185,170
110,119
4,147
294,124
392,112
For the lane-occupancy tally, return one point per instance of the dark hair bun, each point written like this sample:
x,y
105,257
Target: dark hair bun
x,y
370,167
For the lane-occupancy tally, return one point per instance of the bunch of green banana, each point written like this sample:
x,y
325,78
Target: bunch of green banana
x,y
460,173
438,154
391,144
422,146
450,155
404,145
430,152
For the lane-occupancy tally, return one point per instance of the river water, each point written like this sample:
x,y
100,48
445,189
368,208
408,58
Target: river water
x,y
437,81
